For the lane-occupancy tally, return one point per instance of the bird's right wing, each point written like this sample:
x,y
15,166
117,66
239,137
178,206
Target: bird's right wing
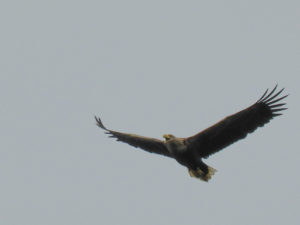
x,y
148,144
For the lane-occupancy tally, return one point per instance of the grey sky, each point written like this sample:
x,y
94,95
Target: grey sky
x,y
146,67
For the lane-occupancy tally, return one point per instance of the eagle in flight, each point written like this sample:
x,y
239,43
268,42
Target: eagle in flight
x,y
190,151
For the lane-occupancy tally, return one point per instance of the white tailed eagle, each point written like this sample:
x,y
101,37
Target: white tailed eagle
x,y
190,151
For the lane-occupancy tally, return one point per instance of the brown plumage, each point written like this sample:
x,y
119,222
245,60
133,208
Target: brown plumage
x,y
190,151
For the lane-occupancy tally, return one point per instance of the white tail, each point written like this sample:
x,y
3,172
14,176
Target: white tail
x,y
201,175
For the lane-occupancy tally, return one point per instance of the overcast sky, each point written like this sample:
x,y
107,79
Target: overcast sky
x,y
146,67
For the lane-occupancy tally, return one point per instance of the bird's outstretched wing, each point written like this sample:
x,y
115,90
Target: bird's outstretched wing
x,y
149,144
237,126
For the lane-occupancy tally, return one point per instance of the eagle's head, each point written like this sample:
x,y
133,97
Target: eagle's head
x,y
168,136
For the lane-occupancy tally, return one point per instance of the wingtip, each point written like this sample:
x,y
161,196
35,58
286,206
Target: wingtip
x,y
270,94
270,97
99,123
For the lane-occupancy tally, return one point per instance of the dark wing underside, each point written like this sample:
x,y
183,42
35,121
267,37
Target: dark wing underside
x,y
149,144
236,126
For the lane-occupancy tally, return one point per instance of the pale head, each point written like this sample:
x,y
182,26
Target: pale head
x,y
168,136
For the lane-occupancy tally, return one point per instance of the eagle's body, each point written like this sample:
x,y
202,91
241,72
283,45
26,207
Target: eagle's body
x,y
181,153
190,151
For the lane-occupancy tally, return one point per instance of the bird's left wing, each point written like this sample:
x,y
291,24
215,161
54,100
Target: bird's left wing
x,y
148,144
236,126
